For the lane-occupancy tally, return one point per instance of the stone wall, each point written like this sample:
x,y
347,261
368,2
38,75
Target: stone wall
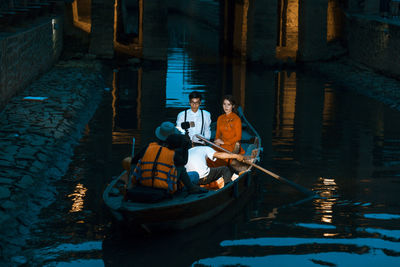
x,y
27,53
102,33
375,43
262,35
206,26
312,30
206,11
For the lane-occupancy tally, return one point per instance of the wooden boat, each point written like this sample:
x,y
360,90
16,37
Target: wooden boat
x,y
185,210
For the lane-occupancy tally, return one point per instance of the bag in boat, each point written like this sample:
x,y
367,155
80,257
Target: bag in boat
x,y
146,194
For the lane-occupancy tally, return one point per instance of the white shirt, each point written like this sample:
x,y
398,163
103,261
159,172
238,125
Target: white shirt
x,y
196,118
197,160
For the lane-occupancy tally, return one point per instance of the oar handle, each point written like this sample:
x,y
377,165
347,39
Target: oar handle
x,y
213,144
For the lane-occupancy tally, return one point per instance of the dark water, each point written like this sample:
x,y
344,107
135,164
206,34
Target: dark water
x,y
342,145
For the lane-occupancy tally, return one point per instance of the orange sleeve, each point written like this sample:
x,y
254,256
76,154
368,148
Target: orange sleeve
x,y
237,131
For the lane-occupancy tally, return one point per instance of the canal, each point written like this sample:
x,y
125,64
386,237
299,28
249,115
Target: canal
x,y
341,145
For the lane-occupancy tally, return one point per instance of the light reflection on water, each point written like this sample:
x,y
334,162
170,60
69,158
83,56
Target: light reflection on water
x,y
179,82
381,216
51,254
375,251
383,232
327,191
377,258
86,263
316,226
291,241
78,198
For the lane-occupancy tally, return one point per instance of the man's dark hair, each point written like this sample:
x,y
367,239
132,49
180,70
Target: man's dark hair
x,y
194,94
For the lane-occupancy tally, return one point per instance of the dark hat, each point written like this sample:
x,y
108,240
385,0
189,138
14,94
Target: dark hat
x,y
166,129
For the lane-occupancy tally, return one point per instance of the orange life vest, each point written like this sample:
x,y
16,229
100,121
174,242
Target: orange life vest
x,y
156,169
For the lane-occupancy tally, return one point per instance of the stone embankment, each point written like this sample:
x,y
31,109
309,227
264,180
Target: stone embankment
x,y
361,79
37,139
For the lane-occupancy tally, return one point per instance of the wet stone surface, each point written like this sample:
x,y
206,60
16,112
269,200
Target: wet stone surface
x,y
36,143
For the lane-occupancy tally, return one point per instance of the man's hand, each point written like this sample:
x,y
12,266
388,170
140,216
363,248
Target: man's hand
x,y
218,142
245,159
239,157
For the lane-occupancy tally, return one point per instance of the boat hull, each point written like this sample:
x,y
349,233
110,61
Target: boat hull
x,y
193,209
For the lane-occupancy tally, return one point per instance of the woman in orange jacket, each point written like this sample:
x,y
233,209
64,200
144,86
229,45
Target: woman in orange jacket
x,y
229,128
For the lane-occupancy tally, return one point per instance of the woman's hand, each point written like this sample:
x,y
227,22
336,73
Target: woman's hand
x,y
218,142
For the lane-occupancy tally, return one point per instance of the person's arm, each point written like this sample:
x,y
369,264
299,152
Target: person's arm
x,y
179,121
218,134
224,155
237,128
207,125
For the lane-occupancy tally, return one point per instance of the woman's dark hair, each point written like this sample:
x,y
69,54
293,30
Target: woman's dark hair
x,y
194,94
232,101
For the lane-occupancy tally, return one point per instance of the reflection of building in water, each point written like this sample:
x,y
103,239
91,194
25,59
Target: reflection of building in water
x,y
180,81
285,111
126,105
329,106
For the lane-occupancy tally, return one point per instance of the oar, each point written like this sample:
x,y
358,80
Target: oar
x,y
133,147
280,178
132,154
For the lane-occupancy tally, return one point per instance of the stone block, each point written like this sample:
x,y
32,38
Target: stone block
x,y
4,192
11,150
25,182
6,163
6,181
7,157
4,217
8,205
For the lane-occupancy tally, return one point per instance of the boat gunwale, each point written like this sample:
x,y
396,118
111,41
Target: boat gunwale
x,y
176,201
